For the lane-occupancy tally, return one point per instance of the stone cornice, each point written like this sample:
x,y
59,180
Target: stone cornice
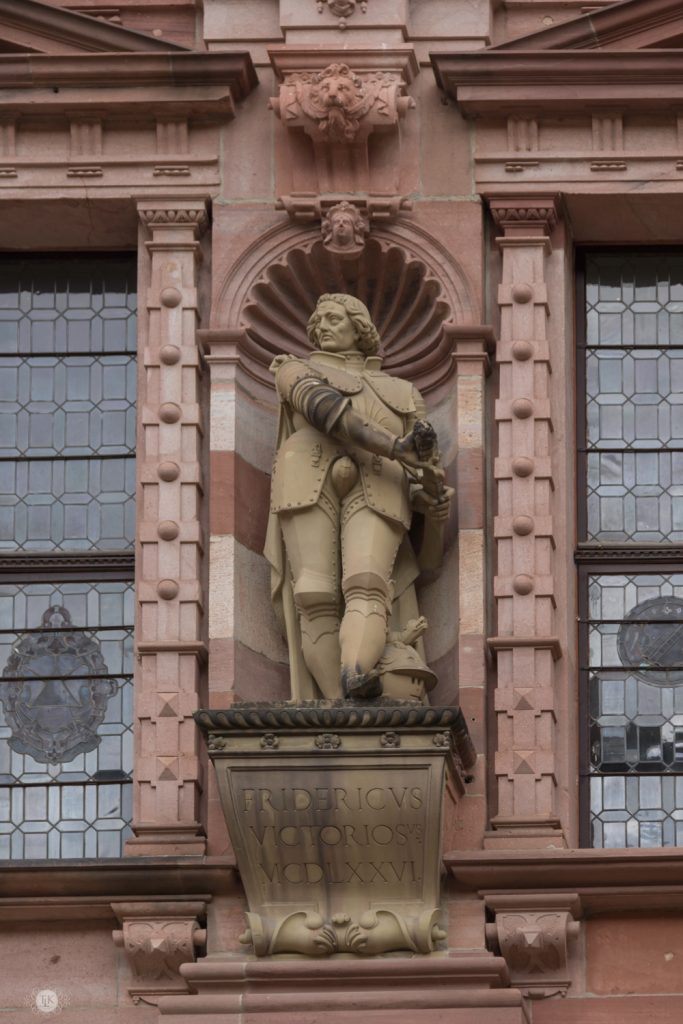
x,y
81,889
293,59
49,25
125,71
604,879
609,27
502,81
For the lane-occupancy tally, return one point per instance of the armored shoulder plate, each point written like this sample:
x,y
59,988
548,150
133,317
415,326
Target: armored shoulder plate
x,y
396,393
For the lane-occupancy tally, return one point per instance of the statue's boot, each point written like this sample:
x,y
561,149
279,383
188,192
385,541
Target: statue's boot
x,y
363,633
318,610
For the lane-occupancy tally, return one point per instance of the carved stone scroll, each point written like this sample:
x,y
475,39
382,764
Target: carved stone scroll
x,y
157,938
534,935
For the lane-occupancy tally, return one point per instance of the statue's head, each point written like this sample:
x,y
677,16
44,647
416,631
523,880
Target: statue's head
x,y
342,323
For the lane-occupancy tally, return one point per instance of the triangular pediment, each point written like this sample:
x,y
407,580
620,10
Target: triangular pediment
x,y
34,27
625,26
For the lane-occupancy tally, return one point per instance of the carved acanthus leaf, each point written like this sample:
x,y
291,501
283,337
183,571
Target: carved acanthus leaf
x,y
374,932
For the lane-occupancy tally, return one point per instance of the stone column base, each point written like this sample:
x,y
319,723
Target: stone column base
x,y
391,990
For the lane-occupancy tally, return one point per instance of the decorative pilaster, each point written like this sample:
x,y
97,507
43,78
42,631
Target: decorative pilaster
x,y
170,627
472,347
157,938
524,585
533,932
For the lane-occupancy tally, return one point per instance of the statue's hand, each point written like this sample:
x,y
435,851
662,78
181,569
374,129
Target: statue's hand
x,y
419,447
436,509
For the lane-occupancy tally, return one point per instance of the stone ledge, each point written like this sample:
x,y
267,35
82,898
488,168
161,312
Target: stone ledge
x,y
78,889
605,880
411,989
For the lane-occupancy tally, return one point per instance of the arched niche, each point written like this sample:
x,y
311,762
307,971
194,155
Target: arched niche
x,y
411,283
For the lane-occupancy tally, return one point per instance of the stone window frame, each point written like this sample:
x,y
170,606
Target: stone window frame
x,y
24,567
594,558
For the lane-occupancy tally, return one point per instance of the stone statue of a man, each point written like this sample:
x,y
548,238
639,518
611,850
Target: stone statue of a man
x,y
354,460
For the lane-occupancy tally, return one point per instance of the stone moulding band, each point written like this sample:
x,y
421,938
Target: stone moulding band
x,y
339,715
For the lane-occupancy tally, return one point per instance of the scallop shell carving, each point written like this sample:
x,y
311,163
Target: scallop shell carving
x,y
405,300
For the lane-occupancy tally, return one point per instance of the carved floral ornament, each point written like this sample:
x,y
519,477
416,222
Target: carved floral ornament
x,y
342,9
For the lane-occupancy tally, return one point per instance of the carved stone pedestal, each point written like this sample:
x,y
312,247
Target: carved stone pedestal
x,y
334,811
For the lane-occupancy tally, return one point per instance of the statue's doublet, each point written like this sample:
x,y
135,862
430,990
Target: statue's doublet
x,y
305,455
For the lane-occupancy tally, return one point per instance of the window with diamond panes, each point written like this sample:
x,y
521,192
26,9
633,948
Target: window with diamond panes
x,y
67,404
630,451
67,528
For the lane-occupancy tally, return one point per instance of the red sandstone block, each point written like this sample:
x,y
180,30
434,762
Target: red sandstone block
x,y
618,1010
252,502
75,957
222,493
470,488
259,678
634,954
471,700
471,660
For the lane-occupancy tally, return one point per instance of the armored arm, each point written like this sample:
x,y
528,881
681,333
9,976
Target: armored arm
x,y
329,411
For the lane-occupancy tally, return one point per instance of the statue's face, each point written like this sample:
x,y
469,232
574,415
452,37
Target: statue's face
x,y
336,332
342,229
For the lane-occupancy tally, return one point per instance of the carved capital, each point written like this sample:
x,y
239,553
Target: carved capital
x,y
171,215
527,216
157,939
472,347
337,104
534,934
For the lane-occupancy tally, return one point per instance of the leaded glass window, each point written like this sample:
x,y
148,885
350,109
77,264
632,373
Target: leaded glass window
x,y
631,522
67,412
67,489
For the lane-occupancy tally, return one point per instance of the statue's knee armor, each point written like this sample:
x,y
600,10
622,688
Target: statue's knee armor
x,y
365,589
316,593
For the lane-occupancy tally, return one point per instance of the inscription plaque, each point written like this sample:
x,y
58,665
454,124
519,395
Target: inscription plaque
x,y
337,834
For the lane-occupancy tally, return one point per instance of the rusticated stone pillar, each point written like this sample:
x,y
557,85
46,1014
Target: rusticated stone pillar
x,y
524,586
170,630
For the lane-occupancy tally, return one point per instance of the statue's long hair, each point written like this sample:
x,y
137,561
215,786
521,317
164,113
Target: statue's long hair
x,y
359,315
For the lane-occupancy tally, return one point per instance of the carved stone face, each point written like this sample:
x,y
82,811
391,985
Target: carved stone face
x,y
336,332
343,230
337,90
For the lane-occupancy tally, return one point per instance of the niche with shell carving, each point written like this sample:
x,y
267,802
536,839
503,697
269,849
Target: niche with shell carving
x,y
410,283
